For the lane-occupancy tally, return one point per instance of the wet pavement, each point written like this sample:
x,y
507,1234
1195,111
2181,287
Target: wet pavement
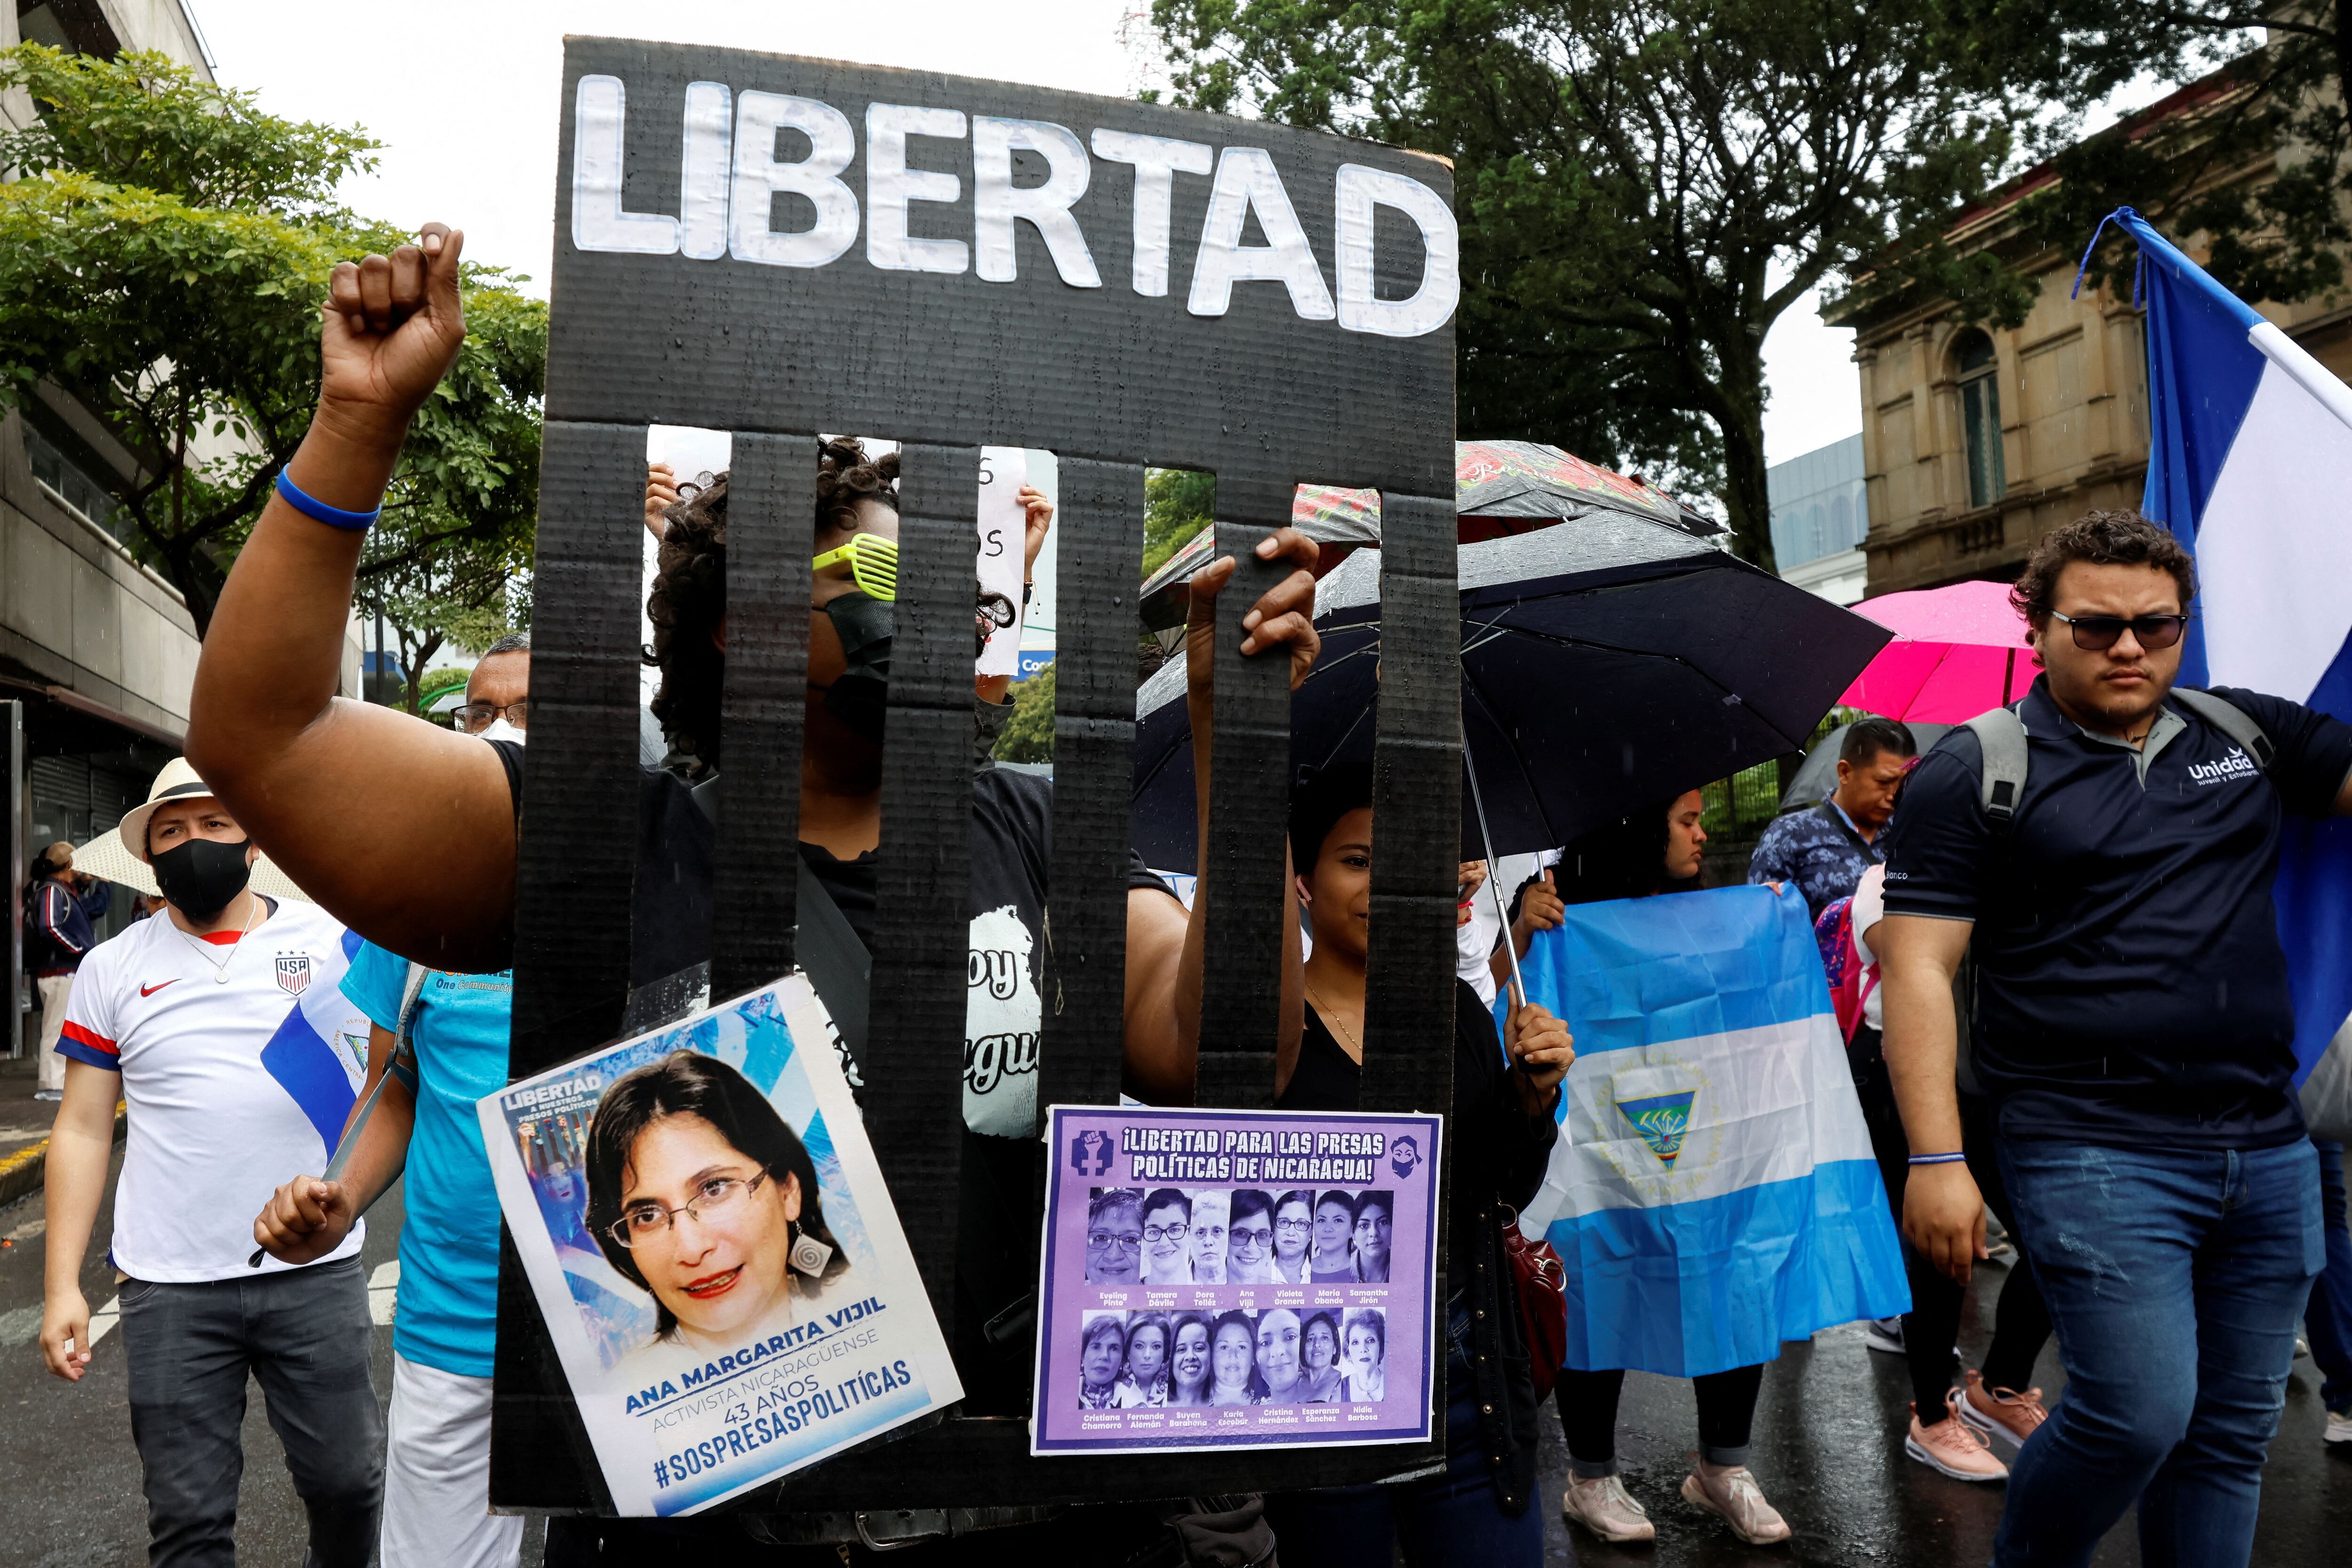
x,y
1829,1453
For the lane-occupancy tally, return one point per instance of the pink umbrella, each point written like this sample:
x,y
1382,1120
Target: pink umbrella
x,y
1958,652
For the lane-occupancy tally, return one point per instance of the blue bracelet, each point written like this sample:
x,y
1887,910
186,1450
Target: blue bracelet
x,y
311,506
1937,1159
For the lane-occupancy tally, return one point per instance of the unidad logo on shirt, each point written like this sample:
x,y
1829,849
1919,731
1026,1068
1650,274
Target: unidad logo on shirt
x,y
2236,764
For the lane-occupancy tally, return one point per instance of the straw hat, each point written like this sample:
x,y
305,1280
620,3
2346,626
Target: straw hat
x,y
121,855
178,781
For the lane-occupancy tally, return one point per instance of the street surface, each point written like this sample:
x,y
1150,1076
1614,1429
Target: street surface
x,y
1828,1449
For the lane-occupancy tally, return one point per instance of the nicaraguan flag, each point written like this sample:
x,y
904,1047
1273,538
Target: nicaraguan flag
x,y
2250,464
319,1055
1713,1192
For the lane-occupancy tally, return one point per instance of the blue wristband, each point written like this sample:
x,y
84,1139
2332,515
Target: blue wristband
x,y
1937,1159
312,507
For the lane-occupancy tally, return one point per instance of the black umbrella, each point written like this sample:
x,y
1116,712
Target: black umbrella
x,y
1605,667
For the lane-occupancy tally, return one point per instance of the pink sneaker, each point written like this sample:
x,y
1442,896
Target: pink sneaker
x,y
2006,1418
1731,1494
1953,1448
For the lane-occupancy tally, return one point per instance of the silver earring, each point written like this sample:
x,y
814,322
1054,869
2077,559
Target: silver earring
x,y
809,1255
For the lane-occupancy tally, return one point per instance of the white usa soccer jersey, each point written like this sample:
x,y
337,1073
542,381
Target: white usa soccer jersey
x,y
240,1060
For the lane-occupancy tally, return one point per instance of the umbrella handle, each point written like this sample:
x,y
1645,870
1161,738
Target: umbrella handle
x,y
1519,985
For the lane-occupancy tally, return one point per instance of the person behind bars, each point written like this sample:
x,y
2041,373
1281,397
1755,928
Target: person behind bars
x,y
367,807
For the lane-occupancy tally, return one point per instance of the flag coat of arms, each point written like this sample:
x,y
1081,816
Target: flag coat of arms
x,y
1713,1192
2250,458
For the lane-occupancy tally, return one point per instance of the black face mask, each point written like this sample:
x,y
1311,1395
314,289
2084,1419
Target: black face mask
x,y
199,877
861,695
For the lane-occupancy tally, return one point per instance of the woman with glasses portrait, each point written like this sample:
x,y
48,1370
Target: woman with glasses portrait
x,y
1249,1239
1294,1224
1167,1225
699,1193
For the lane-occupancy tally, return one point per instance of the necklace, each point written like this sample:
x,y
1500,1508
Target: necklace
x,y
1329,1012
220,966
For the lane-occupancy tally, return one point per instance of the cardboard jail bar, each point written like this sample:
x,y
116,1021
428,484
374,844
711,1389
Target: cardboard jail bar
x,y
654,325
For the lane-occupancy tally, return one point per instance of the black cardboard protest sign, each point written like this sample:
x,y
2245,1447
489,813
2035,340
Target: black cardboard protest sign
x,y
779,247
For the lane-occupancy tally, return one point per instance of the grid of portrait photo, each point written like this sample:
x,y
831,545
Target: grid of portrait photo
x,y
1236,1296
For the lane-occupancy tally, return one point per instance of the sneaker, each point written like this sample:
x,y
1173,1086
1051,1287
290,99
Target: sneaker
x,y
1731,1494
1604,1506
2006,1418
1885,1334
51,1096
2339,1427
1953,1448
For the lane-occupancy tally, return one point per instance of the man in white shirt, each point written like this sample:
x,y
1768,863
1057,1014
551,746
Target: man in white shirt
x,y
224,1028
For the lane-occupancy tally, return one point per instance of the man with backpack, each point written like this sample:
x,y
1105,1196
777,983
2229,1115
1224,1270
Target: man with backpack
x,y
59,907
2105,850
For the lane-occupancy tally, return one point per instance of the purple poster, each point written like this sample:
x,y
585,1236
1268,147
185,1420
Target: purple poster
x,y
1235,1279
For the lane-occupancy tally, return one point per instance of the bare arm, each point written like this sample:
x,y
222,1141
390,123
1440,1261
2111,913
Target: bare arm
x,y
81,1141
365,806
307,1218
1943,1213
1165,946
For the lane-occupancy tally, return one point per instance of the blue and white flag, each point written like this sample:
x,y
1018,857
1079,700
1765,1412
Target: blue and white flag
x,y
319,1055
1713,1192
2250,463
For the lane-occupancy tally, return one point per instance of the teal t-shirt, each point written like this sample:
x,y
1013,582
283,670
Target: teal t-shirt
x,y
447,1314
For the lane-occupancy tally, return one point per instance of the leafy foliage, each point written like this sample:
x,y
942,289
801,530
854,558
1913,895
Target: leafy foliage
x,y
2252,153
1178,503
1645,185
161,262
1029,734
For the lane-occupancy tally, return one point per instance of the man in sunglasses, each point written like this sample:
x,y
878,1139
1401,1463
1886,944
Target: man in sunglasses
x,y
2133,1029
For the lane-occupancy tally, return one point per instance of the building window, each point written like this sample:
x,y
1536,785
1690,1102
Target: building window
x,y
1981,418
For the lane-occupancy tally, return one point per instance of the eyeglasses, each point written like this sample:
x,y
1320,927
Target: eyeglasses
x,y
641,1222
873,564
477,717
1104,1241
2097,633
1293,1224
1164,1232
1250,1238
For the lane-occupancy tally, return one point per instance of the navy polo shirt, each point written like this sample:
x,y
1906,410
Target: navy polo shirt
x,y
2131,989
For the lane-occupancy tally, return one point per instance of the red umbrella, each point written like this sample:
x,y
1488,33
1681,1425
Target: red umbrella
x,y
1958,652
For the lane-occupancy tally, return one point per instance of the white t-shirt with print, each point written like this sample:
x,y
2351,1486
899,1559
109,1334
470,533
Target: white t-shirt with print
x,y
1870,908
216,1075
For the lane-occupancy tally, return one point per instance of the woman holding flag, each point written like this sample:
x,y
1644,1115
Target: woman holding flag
x,y
1476,1512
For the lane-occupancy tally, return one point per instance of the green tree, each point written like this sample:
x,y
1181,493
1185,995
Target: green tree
x,y
1029,733
2255,155
162,254
1178,503
1645,186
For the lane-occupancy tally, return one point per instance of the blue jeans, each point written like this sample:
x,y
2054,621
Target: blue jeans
x,y
2175,1279
2327,1322
1456,1518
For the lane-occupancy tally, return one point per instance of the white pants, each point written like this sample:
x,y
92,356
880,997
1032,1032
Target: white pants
x,y
436,1475
54,990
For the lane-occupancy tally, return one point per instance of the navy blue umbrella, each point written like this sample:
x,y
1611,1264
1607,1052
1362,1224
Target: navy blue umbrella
x,y
1607,665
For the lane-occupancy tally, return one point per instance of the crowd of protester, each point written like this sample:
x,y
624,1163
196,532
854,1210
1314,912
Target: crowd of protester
x,y
2073,1017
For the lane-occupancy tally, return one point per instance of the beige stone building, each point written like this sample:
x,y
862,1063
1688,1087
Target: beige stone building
x,y
1977,441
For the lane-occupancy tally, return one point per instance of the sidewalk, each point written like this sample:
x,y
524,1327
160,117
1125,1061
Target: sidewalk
x,y
25,1128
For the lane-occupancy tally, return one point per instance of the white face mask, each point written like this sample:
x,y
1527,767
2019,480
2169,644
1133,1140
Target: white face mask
x,y
500,729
